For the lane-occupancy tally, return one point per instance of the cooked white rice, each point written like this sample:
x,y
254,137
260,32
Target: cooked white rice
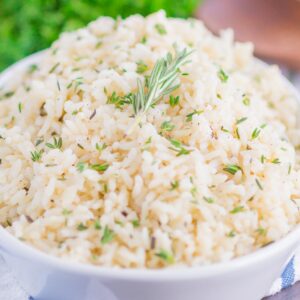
x,y
150,208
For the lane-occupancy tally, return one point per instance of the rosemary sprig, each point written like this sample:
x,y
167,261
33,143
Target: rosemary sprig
x,y
161,82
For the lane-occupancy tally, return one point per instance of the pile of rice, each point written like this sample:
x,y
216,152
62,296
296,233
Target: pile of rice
x,y
75,184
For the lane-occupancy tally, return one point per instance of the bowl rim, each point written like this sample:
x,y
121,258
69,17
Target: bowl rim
x,y
10,245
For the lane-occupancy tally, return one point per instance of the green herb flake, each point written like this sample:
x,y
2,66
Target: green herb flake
x,y
81,166
20,107
166,256
239,121
160,28
54,68
262,159
275,161
189,117
108,236
237,209
289,169
224,129
232,169
97,225
32,68
208,199
100,167
144,40
118,101
231,234
141,67
66,212
246,101
258,184
174,185
81,227
36,155
255,133
167,126
261,231
57,143
100,148
136,223
223,76
173,100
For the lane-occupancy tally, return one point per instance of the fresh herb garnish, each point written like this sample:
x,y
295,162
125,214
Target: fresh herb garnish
x,y
189,117
57,143
255,133
174,185
141,67
135,223
160,28
100,167
237,209
173,100
81,166
161,82
167,126
275,161
246,101
208,199
118,101
100,148
36,155
66,212
179,148
20,107
239,121
108,236
81,227
166,256
54,68
97,225
258,184
222,75
232,169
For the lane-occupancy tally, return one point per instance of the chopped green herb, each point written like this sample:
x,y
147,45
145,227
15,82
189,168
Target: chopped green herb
x,y
255,133
141,67
54,68
32,68
261,231
174,185
237,133
144,40
100,148
57,143
246,101
290,169
237,209
179,148
97,225
108,236
173,100
118,101
167,126
36,155
208,199
160,28
81,166
166,256
80,146
81,227
224,129
222,75
275,161
262,159
98,45
20,107
100,167
232,169
194,191
189,117
263,126
231,234
258,184
66,212
135,223
239,121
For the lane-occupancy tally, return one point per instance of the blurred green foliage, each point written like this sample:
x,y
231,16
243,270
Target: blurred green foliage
x,y
27,26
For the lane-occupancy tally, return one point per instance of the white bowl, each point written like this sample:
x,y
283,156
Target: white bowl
x,y
49,278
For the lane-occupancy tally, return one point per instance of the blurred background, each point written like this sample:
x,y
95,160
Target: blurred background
x,y
27,26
